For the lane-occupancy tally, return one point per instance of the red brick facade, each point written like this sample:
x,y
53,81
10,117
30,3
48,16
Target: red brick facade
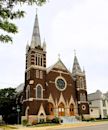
x,y
53,91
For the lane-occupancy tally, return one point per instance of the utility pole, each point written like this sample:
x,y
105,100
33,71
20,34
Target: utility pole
x,y
18,111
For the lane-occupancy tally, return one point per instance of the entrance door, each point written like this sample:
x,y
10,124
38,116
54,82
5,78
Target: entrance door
x,y
61,109
71,110
51,109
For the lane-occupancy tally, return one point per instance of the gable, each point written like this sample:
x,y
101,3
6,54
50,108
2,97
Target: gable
x,y
58,66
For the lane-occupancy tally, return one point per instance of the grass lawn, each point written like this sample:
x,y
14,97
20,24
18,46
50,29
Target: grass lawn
x,y
7,127
101,120
47,124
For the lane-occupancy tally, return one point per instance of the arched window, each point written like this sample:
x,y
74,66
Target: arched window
x,y
81,83
41,62
36,59
41,75
39,91
28,92
37,73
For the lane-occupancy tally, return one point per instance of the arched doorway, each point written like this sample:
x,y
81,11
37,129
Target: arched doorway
x,y
71,109
41,118
51,109
61,109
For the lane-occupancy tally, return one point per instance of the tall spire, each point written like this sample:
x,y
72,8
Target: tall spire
x,y
36,41
76,67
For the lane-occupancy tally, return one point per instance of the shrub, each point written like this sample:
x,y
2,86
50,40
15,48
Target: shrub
x,y
78,117
56,120
34,122
48,121
25,122
41,121
90,119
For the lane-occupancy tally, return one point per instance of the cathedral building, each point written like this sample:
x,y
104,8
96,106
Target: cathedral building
x,y
54,91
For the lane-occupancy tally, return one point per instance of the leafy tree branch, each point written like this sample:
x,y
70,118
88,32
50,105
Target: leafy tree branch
x,y
7,14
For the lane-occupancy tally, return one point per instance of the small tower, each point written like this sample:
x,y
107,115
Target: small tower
x,y
80,80
35,73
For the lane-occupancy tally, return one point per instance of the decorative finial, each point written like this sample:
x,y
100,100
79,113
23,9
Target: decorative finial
x,y
83,69
28,42
74,52
59,56
44,39
36,10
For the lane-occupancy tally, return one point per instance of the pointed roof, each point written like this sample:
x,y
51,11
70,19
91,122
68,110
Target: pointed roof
x,y
36,41
76,67
59,65
61,99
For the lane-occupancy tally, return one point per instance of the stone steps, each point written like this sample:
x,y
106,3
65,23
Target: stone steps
x,y
69,120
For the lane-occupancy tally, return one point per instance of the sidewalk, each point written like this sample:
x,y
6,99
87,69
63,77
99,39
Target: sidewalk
x,y
82,124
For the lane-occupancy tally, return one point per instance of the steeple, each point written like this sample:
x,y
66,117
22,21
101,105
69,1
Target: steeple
x,y
36,41
76,67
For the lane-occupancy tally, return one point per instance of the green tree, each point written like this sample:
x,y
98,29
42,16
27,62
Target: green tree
x,y
7,14
8,105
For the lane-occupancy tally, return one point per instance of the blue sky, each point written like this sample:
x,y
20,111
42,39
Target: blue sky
x,y
66,25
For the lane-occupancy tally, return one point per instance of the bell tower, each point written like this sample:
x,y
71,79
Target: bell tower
x,y
81,91
35,72
36,53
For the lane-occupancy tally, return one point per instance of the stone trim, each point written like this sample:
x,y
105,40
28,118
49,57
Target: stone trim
x,y
35,67
78,89
61,72
60,77
61,99
31,99
79,102
51,100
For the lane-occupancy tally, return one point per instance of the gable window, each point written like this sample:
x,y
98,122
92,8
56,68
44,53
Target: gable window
x,y
39,91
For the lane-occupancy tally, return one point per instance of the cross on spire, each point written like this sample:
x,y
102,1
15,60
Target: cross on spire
x,y
36,10
59,56
74,52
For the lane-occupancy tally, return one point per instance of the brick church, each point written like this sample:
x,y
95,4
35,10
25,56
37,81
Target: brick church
x,y
54,91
